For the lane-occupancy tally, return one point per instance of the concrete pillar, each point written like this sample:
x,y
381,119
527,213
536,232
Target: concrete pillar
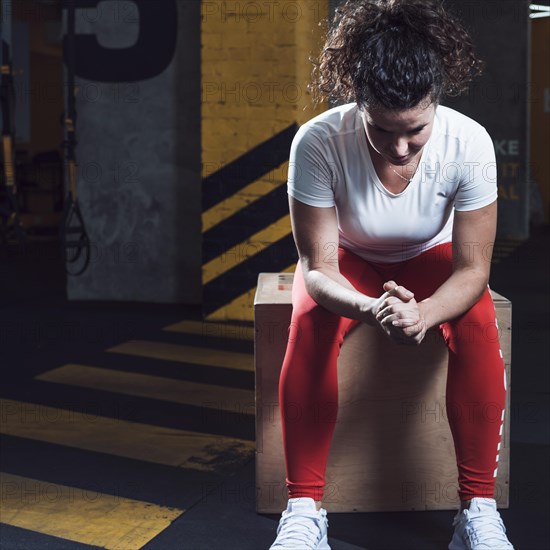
x,y
138,152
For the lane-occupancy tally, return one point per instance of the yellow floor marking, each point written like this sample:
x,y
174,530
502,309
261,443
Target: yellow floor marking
x,y
242,307
187,354
245,196
215,330
86,430
81,515
246,249
165,389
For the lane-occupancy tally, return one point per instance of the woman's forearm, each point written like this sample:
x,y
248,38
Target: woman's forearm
x,y
454,297
333,291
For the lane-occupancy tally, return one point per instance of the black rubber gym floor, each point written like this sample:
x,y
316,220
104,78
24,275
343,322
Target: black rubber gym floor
x,y
50,476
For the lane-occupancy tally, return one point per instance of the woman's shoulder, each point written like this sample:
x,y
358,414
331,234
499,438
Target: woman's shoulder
x,y
460,138
452,124
338,120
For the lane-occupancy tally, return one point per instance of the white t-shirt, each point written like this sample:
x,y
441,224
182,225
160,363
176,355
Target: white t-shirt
x,y
330,165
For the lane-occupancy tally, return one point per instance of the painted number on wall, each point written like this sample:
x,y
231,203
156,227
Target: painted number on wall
x,y
148,57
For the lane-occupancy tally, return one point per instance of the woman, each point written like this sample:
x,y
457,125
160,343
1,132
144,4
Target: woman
x,y
393,206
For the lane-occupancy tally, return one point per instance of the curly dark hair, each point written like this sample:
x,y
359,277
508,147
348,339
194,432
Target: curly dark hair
x,y
394,53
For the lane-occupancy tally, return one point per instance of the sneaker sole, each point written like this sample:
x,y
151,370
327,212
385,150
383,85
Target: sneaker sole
x,y
323,545
457,544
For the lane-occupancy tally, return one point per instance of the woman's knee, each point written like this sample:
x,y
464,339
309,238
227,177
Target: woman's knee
x,y
315,323
478,325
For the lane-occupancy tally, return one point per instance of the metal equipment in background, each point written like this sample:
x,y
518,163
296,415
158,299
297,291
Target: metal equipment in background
x,y
75,242
10,222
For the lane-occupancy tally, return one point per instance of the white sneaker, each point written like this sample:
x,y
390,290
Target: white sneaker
x,y
302,527
480,528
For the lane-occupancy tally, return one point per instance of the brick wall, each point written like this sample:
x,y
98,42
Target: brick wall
x,y
255,67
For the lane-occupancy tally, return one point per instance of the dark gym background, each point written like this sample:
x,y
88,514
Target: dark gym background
x,y
185,110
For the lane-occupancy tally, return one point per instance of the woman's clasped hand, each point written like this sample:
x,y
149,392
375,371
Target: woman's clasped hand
x,y
400,315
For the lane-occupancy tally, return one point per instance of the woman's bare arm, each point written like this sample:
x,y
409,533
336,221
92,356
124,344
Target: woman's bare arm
x,y
473,239
315,233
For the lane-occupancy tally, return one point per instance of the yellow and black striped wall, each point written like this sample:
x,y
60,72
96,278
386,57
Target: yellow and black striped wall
x,y
254,71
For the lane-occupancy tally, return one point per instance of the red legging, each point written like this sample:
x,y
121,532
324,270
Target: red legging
x,y
309,373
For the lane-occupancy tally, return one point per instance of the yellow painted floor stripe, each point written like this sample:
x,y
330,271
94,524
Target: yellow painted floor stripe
x,y
169,446
245,196
143,385
187,354
80,515
215,330
246,249
242,307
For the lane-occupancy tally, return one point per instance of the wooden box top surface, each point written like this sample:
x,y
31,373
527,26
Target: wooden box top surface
x,y
276,289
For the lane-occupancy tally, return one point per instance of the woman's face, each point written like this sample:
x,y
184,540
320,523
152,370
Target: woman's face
x,y
399,135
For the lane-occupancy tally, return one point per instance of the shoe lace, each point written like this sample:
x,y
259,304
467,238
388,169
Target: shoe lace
x,y
293,529
489,529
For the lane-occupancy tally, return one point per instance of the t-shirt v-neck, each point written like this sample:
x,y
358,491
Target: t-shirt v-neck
x,y
372,170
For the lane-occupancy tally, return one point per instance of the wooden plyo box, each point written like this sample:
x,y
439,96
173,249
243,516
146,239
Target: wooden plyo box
x,y
392,448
